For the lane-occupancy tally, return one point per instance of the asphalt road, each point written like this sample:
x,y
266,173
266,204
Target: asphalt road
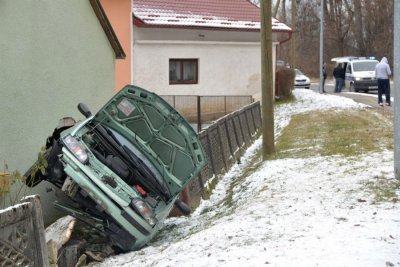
x,y
370,98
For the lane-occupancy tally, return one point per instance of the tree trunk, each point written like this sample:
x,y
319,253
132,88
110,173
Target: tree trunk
x,y
359,27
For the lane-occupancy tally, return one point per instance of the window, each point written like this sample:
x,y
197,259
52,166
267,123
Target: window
x,y
183,71
348,70
365,66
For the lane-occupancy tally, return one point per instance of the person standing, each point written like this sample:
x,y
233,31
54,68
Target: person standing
x,y
343,77
337,73
382,73
323,77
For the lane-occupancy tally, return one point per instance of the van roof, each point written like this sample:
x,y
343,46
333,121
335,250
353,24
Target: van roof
x,y
351,58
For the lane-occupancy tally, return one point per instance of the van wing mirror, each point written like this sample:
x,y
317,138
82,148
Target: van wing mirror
x,y
84,110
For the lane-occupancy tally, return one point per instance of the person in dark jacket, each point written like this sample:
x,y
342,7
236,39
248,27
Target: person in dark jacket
x,y
343,76
338,75
323,77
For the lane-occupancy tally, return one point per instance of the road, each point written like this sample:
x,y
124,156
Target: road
x,y
370,98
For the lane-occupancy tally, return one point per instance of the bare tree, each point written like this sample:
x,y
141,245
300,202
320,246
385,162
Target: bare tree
x,y
359,31
352,27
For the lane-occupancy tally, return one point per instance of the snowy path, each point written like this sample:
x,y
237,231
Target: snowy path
x,y
287,212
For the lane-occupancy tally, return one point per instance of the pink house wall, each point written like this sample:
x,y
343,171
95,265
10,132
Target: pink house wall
x,y
119,14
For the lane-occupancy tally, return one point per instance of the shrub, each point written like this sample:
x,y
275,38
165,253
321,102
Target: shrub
x,y
284,82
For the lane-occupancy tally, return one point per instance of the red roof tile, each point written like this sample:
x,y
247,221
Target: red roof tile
x,y
228,14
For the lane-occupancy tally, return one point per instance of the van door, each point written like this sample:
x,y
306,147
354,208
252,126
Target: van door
x,y
349,76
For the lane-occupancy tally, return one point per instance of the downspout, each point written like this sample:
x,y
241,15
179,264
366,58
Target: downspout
x,y
285,40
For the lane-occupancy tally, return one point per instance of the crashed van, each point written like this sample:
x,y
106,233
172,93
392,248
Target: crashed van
x,y
124,167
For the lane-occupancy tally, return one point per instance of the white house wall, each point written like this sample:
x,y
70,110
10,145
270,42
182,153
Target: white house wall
x,y
229,62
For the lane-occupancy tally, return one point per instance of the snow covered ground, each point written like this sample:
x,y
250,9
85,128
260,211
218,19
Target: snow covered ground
x,y
286,212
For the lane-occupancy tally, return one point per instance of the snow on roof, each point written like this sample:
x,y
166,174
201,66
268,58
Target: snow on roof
x,y
226,14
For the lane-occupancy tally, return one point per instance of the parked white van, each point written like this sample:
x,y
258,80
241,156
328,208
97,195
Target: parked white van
x,y
360,73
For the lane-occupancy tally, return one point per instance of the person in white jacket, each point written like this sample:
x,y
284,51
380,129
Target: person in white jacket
x,y
382,74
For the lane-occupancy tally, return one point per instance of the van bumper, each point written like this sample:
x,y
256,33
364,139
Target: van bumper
x,y
366,85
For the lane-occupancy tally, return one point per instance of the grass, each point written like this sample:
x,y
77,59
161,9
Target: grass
x,y
347,133
350,133
13,185
384,190
285,100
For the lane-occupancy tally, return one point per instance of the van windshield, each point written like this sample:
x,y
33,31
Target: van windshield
x,y
364,66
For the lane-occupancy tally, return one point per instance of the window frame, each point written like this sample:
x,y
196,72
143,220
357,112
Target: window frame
x,y
181,62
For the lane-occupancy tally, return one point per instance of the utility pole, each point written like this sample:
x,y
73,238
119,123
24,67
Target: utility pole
x,y
267,96
293,39
396,75
321,48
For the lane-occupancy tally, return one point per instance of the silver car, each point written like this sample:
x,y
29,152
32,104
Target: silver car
x,y
301,80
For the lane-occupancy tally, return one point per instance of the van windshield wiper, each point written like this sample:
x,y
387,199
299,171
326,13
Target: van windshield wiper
x,y
135,164
151,176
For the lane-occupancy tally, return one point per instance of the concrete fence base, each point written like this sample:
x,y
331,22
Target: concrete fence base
x,y
22,239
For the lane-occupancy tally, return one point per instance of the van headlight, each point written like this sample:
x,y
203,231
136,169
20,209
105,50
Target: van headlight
x,y
144,210
76,148
358,78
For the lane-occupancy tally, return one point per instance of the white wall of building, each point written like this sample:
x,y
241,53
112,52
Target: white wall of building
x,y
229,63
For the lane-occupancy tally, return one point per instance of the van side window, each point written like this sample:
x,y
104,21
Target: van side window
x,y
348,69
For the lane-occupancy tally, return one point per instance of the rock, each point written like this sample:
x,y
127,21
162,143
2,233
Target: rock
x,y
61,230
81,261
53,253
95,256
71,253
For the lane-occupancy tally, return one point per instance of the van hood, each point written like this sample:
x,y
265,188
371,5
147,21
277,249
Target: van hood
x,y
158,131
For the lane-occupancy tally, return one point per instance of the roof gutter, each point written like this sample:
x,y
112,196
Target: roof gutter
x,y
287,39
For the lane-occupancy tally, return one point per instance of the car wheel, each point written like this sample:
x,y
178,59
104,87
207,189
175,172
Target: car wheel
x,y
365,91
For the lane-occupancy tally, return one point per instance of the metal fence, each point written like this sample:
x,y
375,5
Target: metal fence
x,y
224,142
202,109
22,238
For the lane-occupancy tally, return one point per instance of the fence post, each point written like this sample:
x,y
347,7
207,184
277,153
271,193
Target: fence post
x,y
221,144
198,114
38,227
245,142
225,104
211,156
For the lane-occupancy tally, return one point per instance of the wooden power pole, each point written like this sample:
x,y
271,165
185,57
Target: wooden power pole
x,y
396,89
293,38
267,95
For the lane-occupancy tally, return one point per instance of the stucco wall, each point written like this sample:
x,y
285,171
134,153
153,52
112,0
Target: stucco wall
x,y
119,14
54,54
229,62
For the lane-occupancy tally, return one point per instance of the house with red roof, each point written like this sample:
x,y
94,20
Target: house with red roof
x,y
191,47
